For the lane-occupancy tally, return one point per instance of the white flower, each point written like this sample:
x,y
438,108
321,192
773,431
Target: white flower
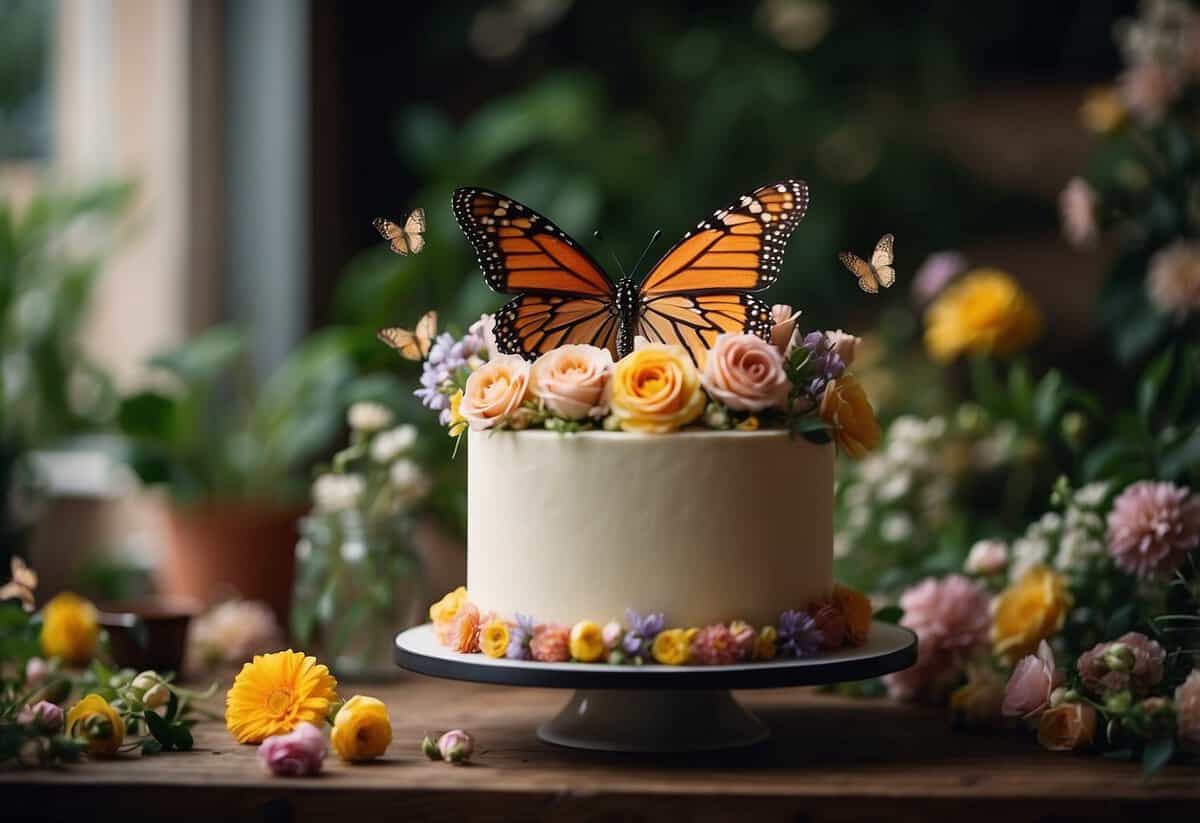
x,y
354,551
389,445
987,557
1075,548
859,518
841,546
1174,279
895,486
1091,495
368,417
896,527
408,480
337,492
1027,552
303,549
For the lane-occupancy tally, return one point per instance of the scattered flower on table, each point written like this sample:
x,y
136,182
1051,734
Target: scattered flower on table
x,y
456,746
1028,612
37,670
361,729
798,634
274,693
1067,726
43,715
298,753
70,629
101,727
1033,680
1153,527
1132,662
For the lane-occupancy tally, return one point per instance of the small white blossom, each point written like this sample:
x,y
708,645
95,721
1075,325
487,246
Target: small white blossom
x,y
303,549
408,480
895,486
368,417
1075,548
389,445
987,557
1091,495
1027,552
896,527
337,492
859,518
354,551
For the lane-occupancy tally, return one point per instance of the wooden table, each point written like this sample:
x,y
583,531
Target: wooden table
x,y
830,759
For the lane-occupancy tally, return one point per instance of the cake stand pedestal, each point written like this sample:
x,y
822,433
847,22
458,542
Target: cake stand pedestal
x,y
658,708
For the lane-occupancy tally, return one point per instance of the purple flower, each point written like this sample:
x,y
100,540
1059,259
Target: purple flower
x,y
642,630
936,273
821,364
446,357
296,754
519,637
798,634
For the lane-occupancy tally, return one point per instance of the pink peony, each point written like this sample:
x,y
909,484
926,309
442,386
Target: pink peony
x,y
1187,710
783,320
551,644
831,623
1133,661
714,646
1035,677
495,391
743,639
745,372
987,557
936,273
1077,208
951,621
844,345
295,754
1152,527
570,380
1173,281
1147,88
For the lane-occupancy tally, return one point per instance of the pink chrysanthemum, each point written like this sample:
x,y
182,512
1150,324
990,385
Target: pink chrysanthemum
x,y
551,644
714,646
1152,527
950,618
1132,661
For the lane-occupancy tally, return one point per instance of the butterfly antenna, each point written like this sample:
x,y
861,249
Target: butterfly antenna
x,y
616,259
653,239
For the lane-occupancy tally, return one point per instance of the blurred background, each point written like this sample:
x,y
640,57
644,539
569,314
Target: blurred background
x,y
192,284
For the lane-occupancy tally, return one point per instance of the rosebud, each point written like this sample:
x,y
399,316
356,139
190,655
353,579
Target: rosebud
x,y
46,716
145,680
1059,695
158,695
1119,658
36,672
456,746
1118,702
611,634
430,749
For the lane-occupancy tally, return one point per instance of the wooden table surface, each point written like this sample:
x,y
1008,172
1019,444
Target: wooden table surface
x,y
829,759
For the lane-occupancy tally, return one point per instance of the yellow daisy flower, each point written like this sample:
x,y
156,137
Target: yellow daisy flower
x,y
274,693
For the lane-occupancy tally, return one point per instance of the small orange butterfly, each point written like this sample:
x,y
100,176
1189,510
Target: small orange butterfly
x,y
21,586
879,272
413,345
410,238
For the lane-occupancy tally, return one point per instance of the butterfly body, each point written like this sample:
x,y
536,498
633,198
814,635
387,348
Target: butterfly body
x,y
702,287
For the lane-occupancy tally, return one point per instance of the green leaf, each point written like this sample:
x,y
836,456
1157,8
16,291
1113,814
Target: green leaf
x,y
159,728
148,415
150,747
808,423
889,614
181,737
1120,621
204,357
986,387
1181,458
1157,754
172,706
1048,400
1151,386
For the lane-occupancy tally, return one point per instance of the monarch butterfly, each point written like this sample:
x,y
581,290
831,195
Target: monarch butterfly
x,y
407,240
699,289
413,345
878,272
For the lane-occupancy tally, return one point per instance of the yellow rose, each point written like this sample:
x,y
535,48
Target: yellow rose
x,y
1029,611
586,641
845,407
986,312
361,730
655,389
765,643
856,610
672,647
493,638
447,608
98,724
70,629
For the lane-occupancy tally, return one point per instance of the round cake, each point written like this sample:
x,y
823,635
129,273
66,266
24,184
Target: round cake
x,y
702,526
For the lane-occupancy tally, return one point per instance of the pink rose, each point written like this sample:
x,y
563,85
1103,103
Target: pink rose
x,y
570,380
295,754
831,623
987,557
1028,691
843,345
783,319
745,373
495,391
1067,726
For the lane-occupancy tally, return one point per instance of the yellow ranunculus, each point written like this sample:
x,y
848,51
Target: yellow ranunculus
x,y
98,724
853,426
986,312
672,647
70,629
493,638
856,611
1029,611
655,389
361,730
765,643
447,608
458,423
586,641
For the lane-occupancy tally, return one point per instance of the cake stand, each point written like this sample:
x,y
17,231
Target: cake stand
x,y
656,708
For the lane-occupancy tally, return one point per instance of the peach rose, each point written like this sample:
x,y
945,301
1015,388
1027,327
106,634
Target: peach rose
x,y
570,380
843,345
494,391
783,319
845,407
1067,726
745,372
655,389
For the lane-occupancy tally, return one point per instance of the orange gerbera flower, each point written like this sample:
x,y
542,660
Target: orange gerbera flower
x,y
275,693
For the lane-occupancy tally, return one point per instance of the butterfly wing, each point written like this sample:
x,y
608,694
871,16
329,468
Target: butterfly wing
x,y
700,286
867,281
414,231
881,261
426,330
403,341
532,324
400,240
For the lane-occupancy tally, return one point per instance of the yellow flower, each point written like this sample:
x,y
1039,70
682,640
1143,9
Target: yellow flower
x,y
672,647
846,409
361,730
1029,611
655,389
586,641
765,643
70,629
458,423
750,424
277,692
97,723
986,312
493,638
447,608
856,611
1102,110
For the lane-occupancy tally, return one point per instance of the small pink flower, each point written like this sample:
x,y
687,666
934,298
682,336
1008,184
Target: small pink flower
x,y
843,345
465,637
570,380
551,644
455,746
831,623
783,320
611,634
744,637
1153,527
714,646
1133,661
1173,281
36,672
45,715
745,372
1034,678
296,754
987,557
1077,208
1187,710
936,273
1147,88
495,391
1067,726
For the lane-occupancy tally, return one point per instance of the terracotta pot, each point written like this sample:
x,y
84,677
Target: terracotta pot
x,y
220,549
148,633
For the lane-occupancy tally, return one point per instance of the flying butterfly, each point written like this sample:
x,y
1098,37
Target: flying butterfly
x,y
407,240
879,272
22,584
702,287
415,344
